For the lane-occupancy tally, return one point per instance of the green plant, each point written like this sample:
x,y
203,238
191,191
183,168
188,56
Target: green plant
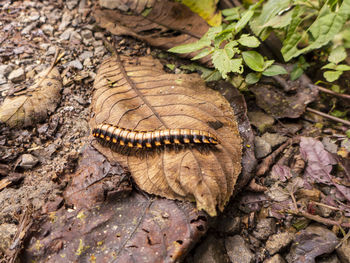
x,y
303,25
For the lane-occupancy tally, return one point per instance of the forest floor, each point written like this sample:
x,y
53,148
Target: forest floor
x,y
285,214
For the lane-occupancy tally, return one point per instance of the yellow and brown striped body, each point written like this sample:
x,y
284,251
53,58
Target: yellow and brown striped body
x,y
148,139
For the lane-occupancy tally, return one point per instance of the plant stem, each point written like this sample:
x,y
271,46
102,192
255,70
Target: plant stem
x,y
336,119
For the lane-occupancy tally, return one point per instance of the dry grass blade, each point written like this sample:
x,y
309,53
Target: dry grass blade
x,y
163,24
135,93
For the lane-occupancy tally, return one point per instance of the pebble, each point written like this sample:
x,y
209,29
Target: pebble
x,y
86,34
260,120
7,232
28,29
274,139
262,148
85,55
71,4
5,70
238,250
76,64
99,35
275,259
211,250
111,4
66,19
66,34
265,228
28,161
279,241
2,80
47,29
17,75
100,51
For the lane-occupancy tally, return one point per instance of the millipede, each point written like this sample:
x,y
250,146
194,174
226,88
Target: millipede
x,y
119,136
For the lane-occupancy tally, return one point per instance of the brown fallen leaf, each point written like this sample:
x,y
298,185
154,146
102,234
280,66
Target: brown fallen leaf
x,y
34,104
162,24
131,228
135,93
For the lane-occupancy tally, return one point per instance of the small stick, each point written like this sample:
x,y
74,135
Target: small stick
x,y
344,96
264,166
336,119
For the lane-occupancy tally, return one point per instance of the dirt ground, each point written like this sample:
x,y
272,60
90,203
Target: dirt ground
x,y
35,160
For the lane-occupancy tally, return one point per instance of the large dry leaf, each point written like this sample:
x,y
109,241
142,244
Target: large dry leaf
x,y
36,103
135,93
124,228
161,23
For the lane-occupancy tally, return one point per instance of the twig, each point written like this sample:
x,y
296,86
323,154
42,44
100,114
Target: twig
x,y
336,119
264,166
327,206
344,96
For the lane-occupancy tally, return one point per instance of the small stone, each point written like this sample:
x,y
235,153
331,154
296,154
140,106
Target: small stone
x,y
100,51
87,62
275,259
85,55
279,241
329,145
262,148
344,252
211,250
2,80
112,4
265,228
5,70
75,64
260,120
34,16
238,250
7,232
274,139
71,4
17,75
99,35
47,29
66,34
86,34
44,46
51,51
28,161
28,29
66,19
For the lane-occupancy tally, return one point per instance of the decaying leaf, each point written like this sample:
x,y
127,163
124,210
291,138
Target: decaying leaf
x,y
135,93
161,23
206,9
34,104
132,228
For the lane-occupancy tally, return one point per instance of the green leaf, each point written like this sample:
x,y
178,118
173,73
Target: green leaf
x,y
270,9
248,41
296,73
244,20
202,53
207,74
337,55
331,76
252,78
223,62
342,67
268,63
206,9
348,133
279,21
338,113
323,29
275,70
191,47
254,60
329,66
212,32
231,12
170,66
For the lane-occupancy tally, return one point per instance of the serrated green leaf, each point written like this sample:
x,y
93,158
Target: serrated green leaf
x,y
230,49
231,12
331,76
248,41
275,70
225,64
270,9
296,73
279,21
342,67
323,29
191,47
337,55
244,20
252,78
203,53
212,32
254,60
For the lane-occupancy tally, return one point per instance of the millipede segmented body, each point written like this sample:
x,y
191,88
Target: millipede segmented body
x,y
149,139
